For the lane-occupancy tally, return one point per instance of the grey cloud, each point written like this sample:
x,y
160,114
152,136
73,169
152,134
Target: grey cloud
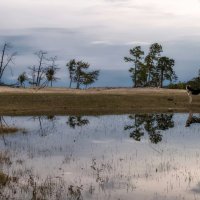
x,y
20,43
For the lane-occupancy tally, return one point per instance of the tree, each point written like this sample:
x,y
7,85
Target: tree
x,y
151,61
136,56
79,74
5,59
38,72
153,69
22,78
51,71
90,78
71,65
44,72
142,75
165,70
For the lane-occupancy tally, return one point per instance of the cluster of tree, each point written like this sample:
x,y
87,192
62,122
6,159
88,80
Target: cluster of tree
x,y
152,69
44,72
152,124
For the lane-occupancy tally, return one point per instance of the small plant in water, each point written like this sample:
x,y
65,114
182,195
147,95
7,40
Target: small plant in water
x,y
74,192
4,179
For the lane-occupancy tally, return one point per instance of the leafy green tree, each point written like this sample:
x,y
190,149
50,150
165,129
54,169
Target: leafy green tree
x,y
71,66
80,75
153,70
142,75
80,72
51,72
136,56
22,78
151,61
90,78
165,70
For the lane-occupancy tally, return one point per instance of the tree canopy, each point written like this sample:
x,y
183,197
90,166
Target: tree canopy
x,y
152,69
79,73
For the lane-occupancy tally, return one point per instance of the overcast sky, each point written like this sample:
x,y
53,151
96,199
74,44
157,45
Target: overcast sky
x,y
101,32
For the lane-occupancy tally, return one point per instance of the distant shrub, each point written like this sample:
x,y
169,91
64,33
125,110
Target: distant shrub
x,y
194,83
180,85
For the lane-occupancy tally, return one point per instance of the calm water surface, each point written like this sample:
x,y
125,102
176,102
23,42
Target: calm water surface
x,y
138,156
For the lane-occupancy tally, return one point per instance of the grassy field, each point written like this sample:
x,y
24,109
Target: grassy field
x,y
58,101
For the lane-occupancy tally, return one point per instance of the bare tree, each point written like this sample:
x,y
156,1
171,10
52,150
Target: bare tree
x,y
38,72
6,58
43,73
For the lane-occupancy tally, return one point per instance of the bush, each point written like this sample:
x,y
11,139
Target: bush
x,y
180,85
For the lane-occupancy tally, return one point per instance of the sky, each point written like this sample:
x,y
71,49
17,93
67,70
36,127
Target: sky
x,y
101,32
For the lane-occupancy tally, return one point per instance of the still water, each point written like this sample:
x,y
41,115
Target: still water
x,y
137,156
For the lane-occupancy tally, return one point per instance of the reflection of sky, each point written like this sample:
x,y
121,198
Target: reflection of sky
x,y
169,169
101,32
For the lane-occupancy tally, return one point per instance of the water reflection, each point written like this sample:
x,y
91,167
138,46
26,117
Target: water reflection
x,y
46,124
6,128
104,162
192,119
77,121
152,124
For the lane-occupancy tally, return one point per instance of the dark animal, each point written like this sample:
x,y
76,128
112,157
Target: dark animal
x,y
192,119
191,92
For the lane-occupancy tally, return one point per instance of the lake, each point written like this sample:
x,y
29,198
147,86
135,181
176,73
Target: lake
x,y
136,156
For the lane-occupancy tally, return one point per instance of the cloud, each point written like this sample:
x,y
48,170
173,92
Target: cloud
x,y
138,43
99,42
102,31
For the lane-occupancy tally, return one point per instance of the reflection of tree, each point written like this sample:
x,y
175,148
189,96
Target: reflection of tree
x,y
137,131
44,127
151,123
77,121
192,119
6,128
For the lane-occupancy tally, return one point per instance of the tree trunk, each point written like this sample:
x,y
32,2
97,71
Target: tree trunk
x,y
2,60
70,84
135,77
161,79
78,85
149,76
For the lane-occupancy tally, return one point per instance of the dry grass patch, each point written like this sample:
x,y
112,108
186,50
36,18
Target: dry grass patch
x,y
94,101
7,129
4,179
5,158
